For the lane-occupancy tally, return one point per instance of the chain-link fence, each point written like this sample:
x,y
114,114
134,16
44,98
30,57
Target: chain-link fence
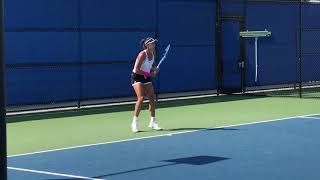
x,y
286,62
75,58
77,53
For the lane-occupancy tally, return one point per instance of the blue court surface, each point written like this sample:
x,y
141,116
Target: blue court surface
x,y
281,150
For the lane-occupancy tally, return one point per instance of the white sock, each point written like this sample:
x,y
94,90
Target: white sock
x,y
153,119
135,118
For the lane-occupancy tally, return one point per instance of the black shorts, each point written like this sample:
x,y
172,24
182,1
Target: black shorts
x,y
138,78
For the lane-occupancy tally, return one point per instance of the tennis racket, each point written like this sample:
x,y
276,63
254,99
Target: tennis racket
x,y
164,55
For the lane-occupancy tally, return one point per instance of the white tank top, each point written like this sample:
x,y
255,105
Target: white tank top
x,y
147,63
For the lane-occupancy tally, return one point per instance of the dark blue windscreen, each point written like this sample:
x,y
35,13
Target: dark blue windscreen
x,y
115,14
112,46
277,57
56,14
190,27
41,47
106,81
42,85
231,55
310,42
187,22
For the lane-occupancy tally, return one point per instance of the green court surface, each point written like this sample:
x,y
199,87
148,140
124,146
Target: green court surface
x,y
55,130
306,93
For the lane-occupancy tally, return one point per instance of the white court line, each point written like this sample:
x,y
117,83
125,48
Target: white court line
x,y
168,134
51,173
311,117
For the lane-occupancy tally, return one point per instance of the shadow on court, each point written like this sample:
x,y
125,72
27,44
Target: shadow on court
x,y
194,161
204,129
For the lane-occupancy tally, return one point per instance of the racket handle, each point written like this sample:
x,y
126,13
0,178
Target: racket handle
x,y
160,63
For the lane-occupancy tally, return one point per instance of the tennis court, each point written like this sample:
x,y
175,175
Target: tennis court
x,y
222,139
83,95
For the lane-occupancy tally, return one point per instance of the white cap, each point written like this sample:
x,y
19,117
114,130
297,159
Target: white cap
x,y
150,40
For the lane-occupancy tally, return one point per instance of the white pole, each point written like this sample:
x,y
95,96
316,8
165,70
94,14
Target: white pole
x,y
256,59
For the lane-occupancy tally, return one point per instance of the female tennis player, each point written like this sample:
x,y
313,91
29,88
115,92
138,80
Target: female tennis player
x,y
141,79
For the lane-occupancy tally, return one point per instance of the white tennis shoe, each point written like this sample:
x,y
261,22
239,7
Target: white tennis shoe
x,y
154,125
134,126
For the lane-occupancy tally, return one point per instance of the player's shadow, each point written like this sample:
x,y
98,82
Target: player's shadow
x,y
202,129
